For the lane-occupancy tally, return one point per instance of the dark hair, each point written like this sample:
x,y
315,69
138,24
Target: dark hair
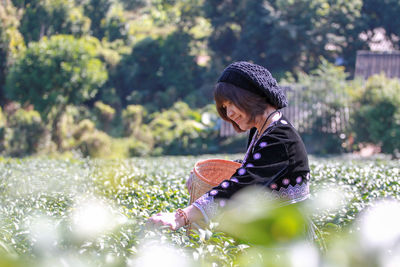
x,y
246,101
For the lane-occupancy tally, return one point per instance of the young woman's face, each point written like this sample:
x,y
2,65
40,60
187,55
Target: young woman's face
x,y
235,114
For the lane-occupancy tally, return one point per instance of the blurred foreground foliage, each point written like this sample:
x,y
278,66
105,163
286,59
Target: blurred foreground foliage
x,y
93,213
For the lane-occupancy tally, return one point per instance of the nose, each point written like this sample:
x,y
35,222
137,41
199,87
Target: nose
x,y
229,112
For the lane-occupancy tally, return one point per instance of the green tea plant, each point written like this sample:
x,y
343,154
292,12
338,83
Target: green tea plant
x,y
92,212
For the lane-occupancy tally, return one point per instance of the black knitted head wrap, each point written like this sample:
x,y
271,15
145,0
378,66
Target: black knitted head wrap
x,y
255,79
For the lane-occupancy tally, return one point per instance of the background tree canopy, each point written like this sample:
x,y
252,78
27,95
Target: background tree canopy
x,y
284,35
65,55
189,42
55,72
158,71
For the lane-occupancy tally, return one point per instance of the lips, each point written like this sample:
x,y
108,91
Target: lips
x,y
237,120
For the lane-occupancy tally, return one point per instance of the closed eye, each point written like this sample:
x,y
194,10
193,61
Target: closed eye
x,y
225,104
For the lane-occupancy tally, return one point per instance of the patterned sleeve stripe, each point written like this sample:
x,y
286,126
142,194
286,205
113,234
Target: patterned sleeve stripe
x,y
206,219
207,205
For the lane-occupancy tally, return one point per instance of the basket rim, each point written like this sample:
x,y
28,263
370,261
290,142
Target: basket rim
x,y
201,177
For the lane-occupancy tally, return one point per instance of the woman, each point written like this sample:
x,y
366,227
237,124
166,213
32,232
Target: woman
x,y
249,97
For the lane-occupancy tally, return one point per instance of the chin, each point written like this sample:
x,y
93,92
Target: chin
x,y
245,127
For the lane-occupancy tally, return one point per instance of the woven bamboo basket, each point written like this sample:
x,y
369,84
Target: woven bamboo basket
x,y
209,173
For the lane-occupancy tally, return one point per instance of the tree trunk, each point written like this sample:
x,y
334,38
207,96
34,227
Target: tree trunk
x,y
55,129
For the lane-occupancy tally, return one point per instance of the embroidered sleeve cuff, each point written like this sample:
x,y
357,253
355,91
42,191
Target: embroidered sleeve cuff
x,y
207,205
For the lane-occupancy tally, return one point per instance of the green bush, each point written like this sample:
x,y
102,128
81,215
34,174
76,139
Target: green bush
x,y
138,148
132,118
95,144
24,133
105,115
134,128
376,117
84,126
122,148
181,130
71,125
90,141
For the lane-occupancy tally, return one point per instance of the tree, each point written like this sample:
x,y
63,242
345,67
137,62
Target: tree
x,y
134,4
10,41
46,18
284,35
97,11
180,14
115,24
385,14
226,17
376,117
158,72
55,72
135,77
346,22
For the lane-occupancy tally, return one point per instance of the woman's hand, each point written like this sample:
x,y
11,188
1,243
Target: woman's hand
x,y
176,220
172,220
